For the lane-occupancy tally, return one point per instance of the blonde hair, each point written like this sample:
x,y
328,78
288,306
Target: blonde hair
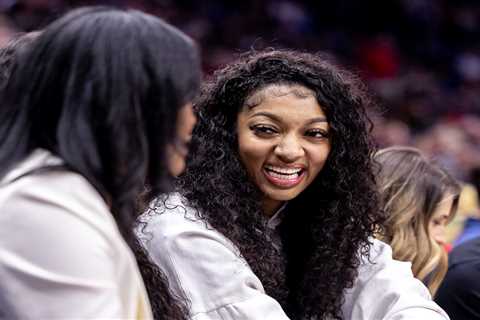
x,y
411,187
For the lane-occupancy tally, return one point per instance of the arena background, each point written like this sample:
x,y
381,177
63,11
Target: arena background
x,y
421,58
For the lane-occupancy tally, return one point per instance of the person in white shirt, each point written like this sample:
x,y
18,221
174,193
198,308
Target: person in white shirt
x,y
275,214
96,99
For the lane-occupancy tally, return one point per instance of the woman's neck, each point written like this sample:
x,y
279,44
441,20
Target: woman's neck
x,y
270,206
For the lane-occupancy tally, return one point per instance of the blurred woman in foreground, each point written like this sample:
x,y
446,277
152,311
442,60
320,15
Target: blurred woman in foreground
x,y
89,116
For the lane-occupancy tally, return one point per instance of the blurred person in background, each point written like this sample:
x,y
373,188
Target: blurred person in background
x,y
276,211
459,293
391,132
467,222
419,198
97,106
454,143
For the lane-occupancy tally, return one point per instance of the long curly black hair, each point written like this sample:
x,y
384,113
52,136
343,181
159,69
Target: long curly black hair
x,y
327,228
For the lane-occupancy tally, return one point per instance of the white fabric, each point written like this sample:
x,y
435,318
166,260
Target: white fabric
x,y
61,253
205,266
386,289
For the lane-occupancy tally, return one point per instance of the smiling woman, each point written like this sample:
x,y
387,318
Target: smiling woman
x,y
283,141
278,204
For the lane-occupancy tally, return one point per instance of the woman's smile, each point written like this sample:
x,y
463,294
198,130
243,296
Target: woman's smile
x,y
283,141
284,177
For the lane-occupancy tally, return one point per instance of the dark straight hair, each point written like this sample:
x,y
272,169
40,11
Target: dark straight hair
x,y
101,88
11,50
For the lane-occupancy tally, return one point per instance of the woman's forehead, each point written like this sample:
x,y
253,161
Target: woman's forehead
x,y
277,90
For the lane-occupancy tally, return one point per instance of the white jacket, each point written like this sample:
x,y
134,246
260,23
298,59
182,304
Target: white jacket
x,y
61,253
205,266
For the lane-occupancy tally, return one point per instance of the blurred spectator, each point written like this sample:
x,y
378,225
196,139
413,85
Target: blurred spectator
x,y
466,221
392,132
470,213
379,57
459,294
419,198
455,144
471,229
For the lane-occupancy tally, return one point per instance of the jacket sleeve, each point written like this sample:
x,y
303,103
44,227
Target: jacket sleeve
x,y
207,268
53,263
386,289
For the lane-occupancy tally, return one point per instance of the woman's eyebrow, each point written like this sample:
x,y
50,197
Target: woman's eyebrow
x,y
315,120
266,114
278,119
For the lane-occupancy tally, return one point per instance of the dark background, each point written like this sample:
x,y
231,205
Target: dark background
x,y
421,58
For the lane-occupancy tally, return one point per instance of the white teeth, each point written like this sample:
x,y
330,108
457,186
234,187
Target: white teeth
x,y
284,171
283,176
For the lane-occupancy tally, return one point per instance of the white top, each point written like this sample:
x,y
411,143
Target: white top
x,y
61,253
205,266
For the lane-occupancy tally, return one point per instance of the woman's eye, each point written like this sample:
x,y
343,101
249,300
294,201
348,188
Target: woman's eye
x,y
264,130
316,133
437,223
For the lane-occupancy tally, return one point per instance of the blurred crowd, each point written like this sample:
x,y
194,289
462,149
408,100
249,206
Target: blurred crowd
x,y
421,58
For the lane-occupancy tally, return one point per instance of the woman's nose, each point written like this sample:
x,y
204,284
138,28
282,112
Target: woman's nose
x,y
289,149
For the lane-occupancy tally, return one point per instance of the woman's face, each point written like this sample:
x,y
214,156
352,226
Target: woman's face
x,y
177,153
283,141
440,218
